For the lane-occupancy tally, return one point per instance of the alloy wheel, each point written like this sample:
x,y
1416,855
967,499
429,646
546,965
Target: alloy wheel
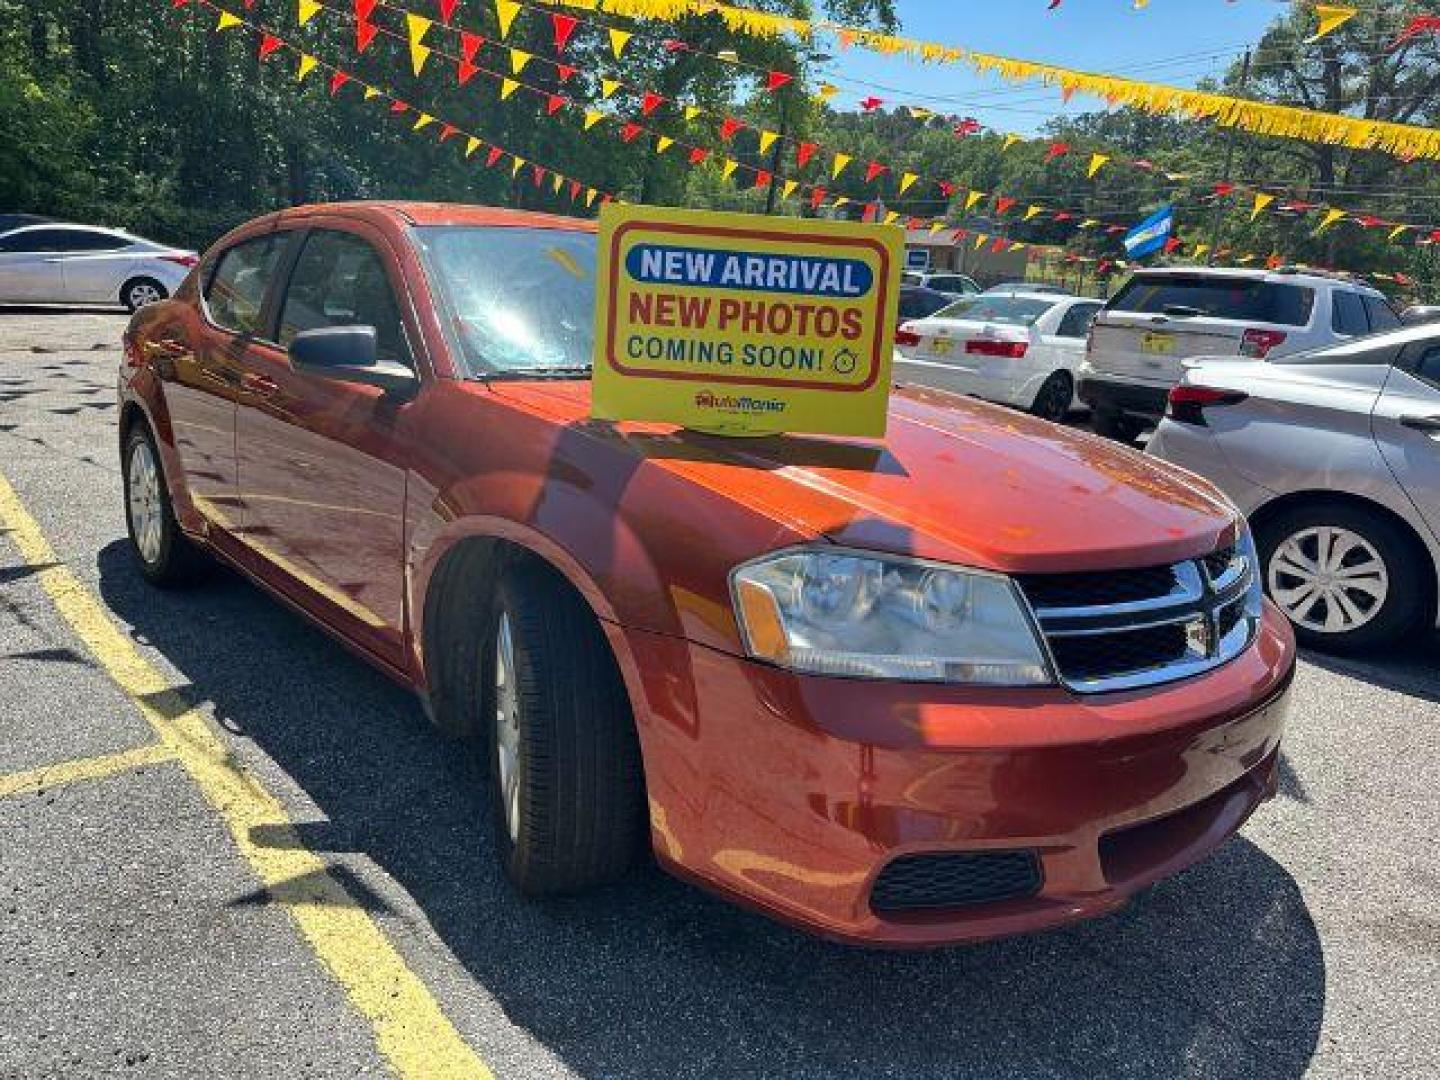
x,y
142,293
147,511
507,726
1329,579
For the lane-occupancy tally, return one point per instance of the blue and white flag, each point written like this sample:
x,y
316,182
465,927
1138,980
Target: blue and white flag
x,y
1150,235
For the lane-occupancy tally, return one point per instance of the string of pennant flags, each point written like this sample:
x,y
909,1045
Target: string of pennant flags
x,y
306,63
418,28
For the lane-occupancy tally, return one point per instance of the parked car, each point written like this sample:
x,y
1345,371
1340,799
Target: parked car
x,y
1420,313
15,221
917,302
1027,287
951,284
987,676
1162,317
1019,349
78,264
1333,455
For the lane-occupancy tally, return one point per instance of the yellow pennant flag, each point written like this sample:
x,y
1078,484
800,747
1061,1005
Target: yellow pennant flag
x,y
1332,17
307,65
1262,200
1097,162
306,10
618,40
1331,217
1016,245
1010,140
980,240
371,92
590,196
1089,223
425,121
936,226
1245,260
892,217
416,27
838,166
1395,232
471,145
972,199
518,59
907,181
728,169
767,140
518,164
608,87
556,183
826,92
592,118
663,143
1200,250
505,12
1032,212
842,201
226,21
918,113
508,87
692,111
789,189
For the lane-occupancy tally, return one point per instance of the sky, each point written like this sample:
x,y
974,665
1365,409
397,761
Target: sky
x,y
1175,42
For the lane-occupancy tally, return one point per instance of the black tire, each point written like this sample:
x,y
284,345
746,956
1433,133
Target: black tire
x,y
137,292
581,794
1055,397
1407,600
1115,425
174,559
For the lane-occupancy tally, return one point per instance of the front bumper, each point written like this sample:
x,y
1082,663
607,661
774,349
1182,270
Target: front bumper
x,y
792,794
1131,399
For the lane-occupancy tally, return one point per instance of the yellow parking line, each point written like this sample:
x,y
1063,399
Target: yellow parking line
x,y
411,1031
92,768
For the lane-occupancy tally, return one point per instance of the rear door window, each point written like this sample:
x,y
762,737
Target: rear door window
x,y
918,303
67,240
1349,316
1241,299
235,294
1076,323
1382,315
340,280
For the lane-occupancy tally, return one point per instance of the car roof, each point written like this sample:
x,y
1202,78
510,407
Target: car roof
x,y
1293,276
432,213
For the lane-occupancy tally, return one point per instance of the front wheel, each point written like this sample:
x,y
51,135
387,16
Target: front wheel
x,y
1347,578
567,791
1056,395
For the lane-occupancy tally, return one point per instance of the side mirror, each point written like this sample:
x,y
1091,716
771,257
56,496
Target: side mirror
x,y
348,354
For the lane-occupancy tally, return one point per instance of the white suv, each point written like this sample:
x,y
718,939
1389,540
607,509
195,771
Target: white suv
x,y
1161,318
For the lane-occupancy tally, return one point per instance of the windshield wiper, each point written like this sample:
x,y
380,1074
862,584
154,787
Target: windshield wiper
x,y
577,372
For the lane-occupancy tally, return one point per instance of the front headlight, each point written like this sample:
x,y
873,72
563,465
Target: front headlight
x,y
886,617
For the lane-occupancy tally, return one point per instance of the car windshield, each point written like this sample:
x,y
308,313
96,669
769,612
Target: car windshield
x,y
518,301
1220,297
1012,310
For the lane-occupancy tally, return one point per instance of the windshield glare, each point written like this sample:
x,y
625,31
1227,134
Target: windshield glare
x,y
1011,310
515,300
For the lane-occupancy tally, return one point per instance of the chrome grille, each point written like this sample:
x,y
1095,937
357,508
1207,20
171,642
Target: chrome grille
x,y
1133,628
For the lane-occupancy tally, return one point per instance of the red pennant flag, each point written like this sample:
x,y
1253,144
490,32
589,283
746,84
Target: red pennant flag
x,y
249,4
729,127
564,26
268,44
651,102
398,106
1000,245
338,80
553,104
1063,215
448,131
817,196
178,3
1420,24
958,235
776,79
469,45
1104,267
966,127
447,9
698,155
871,209
1146,166
804,152
539,172
763,178
1057,149
1402,279
870,104
630,131
364,34
364,9
564,72
874,169
1224,189
575,187
1003,203
947,188
492,158
672,46
915,224
1368,221
1173,243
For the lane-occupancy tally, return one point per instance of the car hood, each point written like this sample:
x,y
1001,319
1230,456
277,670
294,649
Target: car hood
x,y
954,479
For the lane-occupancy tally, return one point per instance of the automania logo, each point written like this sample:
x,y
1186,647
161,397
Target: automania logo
x,y
729,403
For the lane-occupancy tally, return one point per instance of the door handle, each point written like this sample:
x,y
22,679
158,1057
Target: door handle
x,y
260,385
1428,424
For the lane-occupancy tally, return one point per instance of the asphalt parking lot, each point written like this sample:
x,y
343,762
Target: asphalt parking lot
x,y
227,848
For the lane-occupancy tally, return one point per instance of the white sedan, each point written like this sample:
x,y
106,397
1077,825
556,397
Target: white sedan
x,y
1019,349
78,264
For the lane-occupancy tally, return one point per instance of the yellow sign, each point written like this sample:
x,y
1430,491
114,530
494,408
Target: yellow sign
x,y
744,325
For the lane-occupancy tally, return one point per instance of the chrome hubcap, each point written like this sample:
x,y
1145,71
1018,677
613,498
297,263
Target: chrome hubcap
x,y
147,517
507,726
1328,579
142,294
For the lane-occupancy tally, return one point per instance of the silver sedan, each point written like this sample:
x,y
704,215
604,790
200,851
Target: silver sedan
x,y
1334,455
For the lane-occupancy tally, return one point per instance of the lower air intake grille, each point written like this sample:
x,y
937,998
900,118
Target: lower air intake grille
x,y
955,879
1102,656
